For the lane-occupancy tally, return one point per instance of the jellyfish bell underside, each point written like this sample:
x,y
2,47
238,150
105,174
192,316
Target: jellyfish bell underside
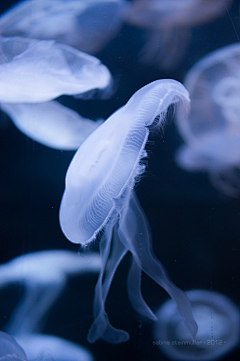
x,y
99,195
211,130
51,123
57,69
10,350
218,328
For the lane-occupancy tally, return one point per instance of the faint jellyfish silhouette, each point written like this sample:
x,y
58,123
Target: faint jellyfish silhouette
x,y
10,350
44,275
212,129
169,24
51,123
99,196
84,24
33,71
48,347
218,328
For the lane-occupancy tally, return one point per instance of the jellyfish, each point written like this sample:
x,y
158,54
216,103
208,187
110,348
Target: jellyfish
x,y
168,24
99,198
36,71
47,347
84,24
218,328
10,350
44,275
51,123
211,131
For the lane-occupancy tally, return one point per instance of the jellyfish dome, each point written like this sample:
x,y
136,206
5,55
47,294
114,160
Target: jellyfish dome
x,y
10,350
218,328
99,196
33,71
211,130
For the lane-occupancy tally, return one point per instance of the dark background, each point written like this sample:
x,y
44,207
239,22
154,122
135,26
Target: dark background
x,y
196,228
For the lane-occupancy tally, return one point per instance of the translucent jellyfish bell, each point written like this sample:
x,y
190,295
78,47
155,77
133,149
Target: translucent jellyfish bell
x,y
51,123
169,24
84,24
46,347
218,328
44,275
99,195
33,71
10,350
211,130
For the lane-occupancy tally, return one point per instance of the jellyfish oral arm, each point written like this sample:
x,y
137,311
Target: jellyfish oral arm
x,y
135,233
101,327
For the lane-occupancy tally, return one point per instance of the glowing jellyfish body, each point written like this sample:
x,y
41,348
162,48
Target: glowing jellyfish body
x,y
99,194
218,328
33,71
10,350
51,123
211,130
47,347
44,275
169,23
84,24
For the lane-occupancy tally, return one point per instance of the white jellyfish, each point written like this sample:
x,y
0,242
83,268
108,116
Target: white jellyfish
x,y
10,350
44,275
33,71
48,347
169,24
218,328
84,24
51,123
99,196
211,130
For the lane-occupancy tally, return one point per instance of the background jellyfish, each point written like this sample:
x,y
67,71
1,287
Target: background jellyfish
x,y
99,194
84,24
10,349
218,328
35,71
212,129
169,24
44,276
48,347
25,63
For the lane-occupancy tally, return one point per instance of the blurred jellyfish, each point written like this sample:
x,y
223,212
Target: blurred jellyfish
x,y
51,123
218,328
10,350
212,129
33,71
84,24
169,24
99,196
47,347
44,275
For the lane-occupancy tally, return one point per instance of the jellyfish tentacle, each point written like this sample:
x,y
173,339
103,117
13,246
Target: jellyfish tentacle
x,y
135,294
101,327
138,241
